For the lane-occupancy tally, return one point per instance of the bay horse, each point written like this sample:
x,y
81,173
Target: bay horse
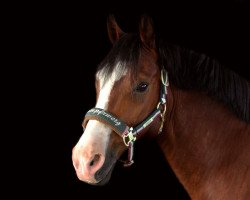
x,y
197,110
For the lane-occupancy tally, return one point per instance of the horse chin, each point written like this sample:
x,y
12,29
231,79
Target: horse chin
x,y
106,178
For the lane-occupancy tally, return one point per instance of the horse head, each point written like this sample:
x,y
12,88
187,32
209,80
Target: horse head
x,y
127,87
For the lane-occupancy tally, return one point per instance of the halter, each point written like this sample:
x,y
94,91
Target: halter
x,y
129,134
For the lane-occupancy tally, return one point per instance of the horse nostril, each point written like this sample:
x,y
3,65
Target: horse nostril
x,y
95,160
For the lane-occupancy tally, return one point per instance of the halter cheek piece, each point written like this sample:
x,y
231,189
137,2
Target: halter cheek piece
x,y
129,134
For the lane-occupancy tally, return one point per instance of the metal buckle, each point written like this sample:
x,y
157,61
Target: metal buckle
x,y
164,107
162,118
162,115
129,136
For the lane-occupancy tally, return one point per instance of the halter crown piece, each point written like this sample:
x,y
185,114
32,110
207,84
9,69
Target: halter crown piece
x,y
127,133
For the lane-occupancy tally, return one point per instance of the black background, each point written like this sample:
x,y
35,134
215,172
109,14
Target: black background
x,y
63,45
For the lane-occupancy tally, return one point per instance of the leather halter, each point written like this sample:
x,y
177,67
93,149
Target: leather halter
x,y
129,134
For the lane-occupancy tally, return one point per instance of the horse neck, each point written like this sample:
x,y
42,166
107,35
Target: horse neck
x,y
206,146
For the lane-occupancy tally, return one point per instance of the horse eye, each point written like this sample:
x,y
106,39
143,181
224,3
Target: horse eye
x,y
141,87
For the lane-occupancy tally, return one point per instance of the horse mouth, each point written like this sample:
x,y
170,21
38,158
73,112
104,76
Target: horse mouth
x,y
103,175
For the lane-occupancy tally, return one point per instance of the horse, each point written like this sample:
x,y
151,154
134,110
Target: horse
x,y
196,109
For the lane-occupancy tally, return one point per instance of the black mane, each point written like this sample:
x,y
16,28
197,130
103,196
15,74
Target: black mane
x,y
187,70
192,71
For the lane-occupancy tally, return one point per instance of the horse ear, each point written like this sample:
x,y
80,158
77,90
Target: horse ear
x,y
146,30
114,31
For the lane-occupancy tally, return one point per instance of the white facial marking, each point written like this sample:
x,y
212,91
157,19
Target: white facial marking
x,y
96,129
106,87
96,135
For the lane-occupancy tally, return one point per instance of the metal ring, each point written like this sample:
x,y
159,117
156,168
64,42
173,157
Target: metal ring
x,y
158,105
126,144
164,82
130,136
